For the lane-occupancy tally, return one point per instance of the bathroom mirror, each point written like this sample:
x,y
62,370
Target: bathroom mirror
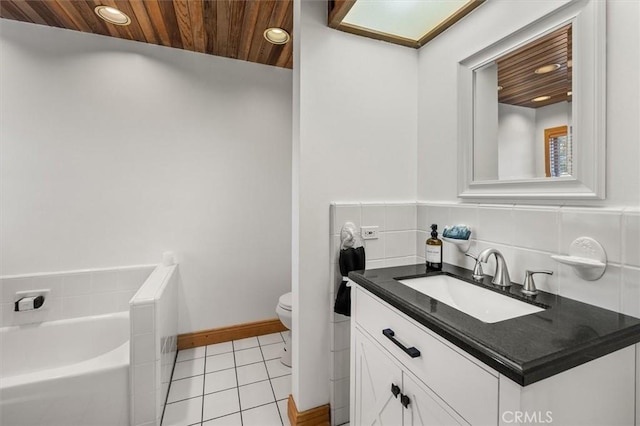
x,y
531,110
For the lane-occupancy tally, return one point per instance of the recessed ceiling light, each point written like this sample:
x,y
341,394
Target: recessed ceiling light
x,y
547,68
276,35
112,15
541,98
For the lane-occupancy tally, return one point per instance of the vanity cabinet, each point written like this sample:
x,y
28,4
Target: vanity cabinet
x,y
390,395
396,360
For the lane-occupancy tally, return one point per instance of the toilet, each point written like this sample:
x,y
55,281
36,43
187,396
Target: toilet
x,y
284,313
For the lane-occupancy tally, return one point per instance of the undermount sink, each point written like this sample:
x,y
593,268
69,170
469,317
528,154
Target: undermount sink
x,y
483,304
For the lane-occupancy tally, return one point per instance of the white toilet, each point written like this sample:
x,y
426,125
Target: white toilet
x,y
284,313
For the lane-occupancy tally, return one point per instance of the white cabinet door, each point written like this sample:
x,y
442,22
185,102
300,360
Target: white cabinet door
x,y
423,408
374,377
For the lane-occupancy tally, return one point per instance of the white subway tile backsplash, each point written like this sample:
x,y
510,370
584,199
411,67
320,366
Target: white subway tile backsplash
x,y
461,214
400,244
536,228
375,249
375,264
374,215
399,261
630,294
604,292
335,248
631,238
495,224
438,214
525,259
422,217
400,217
344,213
603,226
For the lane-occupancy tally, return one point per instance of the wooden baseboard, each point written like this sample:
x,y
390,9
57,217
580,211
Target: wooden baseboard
x,y
232,332
319,416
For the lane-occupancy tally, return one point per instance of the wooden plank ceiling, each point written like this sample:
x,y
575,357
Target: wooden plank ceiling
x,y
520,84
229,28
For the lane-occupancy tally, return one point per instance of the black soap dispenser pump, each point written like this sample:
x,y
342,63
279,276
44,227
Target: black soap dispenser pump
x,y
433,251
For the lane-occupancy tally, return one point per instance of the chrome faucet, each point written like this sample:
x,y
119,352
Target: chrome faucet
x,y
501,278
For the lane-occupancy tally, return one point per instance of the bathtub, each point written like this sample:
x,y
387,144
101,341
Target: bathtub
x,y
72,372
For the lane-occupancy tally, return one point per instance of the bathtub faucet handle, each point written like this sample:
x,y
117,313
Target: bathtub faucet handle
x,y
29,303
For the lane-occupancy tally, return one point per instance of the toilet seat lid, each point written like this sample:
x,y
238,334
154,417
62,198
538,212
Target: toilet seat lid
x,y
285,301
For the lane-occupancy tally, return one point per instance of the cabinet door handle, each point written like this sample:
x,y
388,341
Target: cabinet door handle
x,y
404,400
412,351
395,390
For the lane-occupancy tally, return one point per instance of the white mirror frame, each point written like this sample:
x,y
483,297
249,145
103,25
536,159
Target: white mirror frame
x,y
588,18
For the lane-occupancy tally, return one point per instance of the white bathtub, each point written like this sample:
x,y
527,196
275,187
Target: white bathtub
x,y
72,372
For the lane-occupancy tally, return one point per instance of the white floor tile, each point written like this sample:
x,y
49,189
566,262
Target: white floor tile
x,y
276,369
185,388
255,394
220,404
219,348
251,373
282,407
272,351
220,380
231,420
269,339
266,415
189,368
281,387
219,362
183,413
248,356
193,353
249,342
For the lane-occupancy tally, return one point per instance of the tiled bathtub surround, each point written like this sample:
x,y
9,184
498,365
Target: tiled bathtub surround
x,y
154,329
72,293
526,235
396,245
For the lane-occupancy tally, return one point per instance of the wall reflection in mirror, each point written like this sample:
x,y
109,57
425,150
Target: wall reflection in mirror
x,y
523,112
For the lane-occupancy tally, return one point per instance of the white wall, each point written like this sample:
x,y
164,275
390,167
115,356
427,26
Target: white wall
x,y
115,151
516,142
553,115
485,124
437,181
354,139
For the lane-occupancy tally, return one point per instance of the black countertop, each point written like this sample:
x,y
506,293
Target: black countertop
x,y
526,349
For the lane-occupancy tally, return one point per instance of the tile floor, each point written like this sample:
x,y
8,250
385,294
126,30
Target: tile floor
x,y
239,383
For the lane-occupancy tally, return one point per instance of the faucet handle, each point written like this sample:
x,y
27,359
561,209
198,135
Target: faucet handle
x,y
478,273
529,286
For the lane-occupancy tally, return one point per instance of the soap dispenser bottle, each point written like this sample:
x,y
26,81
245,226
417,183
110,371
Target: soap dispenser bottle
x,y
433,252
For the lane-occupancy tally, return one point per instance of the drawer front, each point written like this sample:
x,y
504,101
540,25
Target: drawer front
x,y
468,388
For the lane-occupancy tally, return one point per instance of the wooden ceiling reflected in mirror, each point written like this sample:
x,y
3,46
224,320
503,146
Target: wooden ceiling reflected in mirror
x,y
411,23
518,81
229,28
